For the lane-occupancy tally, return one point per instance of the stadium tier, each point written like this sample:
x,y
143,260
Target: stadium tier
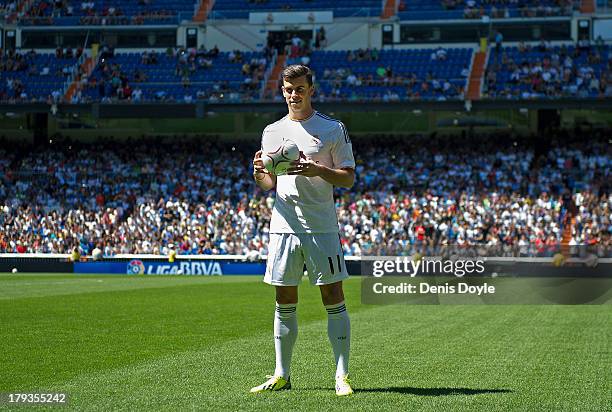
x,y
230,76
107,12
240,9
524,72
8,10
475,9
178,76
31,76
549,72
134,198
392,74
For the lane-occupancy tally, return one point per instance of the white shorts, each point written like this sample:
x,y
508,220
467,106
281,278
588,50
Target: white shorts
x,y
320,252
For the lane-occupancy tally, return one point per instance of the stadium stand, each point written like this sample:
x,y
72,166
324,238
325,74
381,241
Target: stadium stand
x,y
475,9
353,75
544,71
30,76
391,75
107,12
583,70
604,3
133,198
8,10
199,74
240,9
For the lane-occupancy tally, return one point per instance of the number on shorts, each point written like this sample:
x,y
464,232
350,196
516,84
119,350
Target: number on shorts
x,y
331,264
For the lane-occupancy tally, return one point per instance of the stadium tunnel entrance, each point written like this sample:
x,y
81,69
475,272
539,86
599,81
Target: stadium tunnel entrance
x,y
285,38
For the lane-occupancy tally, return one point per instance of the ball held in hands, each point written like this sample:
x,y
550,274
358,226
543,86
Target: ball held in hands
x,y
280,159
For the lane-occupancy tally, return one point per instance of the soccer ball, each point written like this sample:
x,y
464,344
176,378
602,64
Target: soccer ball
x,y
15,270
96,254
279,160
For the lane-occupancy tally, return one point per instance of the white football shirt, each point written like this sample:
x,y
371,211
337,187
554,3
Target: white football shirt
x,y
306,204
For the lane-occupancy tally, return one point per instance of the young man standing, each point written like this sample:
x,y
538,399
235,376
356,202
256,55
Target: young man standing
x,y
304,225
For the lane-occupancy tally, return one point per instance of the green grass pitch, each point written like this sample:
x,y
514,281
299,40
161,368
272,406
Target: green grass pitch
x,y
200,343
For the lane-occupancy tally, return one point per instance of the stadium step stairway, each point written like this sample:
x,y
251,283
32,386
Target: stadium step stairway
x,y
567,237
273,80
587,6
88,65
389,10
475,83
204,8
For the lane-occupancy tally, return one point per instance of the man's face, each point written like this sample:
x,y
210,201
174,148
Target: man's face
x,y
297,93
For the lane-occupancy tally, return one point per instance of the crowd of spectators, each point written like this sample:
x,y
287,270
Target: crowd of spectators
x,y
21,71
196,196
114,82
475,9
14,61
43,12
8,10
437,192
414,86
298,51
584,71
529,71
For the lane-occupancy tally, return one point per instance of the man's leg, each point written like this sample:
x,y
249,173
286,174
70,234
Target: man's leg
x,y
285,328
285,334
338,326
284,270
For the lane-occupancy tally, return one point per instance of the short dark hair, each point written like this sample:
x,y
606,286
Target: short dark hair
x,y
297,70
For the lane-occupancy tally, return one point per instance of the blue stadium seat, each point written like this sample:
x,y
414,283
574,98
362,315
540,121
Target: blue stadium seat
x,y
504,87
240,9
126,12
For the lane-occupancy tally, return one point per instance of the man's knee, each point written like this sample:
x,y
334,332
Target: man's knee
x,y
286,294
332,294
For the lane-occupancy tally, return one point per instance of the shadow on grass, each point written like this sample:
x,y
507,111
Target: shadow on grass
x,y
432,391
421,391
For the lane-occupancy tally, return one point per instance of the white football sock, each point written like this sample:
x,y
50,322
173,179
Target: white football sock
x,y
339,333
285,334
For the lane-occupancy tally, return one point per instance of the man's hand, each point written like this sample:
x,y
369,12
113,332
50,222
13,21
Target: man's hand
x,y
307,167
261,175
258,165
344,177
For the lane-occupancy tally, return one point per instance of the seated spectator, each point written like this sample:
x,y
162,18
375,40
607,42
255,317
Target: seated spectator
x,y
488,190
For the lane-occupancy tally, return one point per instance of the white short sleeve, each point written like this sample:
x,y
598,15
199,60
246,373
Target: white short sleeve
x,y
342,150
270,140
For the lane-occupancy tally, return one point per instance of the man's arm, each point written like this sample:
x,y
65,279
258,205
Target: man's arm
x,y
342,177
